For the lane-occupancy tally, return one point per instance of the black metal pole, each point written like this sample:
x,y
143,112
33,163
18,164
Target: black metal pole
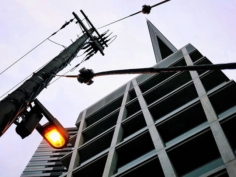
x,y
81,23
16,102
165,70
91,25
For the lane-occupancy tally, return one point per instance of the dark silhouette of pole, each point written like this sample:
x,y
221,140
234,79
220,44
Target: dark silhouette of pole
x,y
16,102
86,75
166,70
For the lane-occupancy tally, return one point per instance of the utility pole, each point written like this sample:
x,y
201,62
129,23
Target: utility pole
x,y
16,102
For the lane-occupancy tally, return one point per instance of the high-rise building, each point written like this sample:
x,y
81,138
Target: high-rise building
x,y
46,160
168,124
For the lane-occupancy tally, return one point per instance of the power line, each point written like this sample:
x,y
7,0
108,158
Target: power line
x,y
69,70
37,71
28,52
59,78
44,64
132,14
63,26
23,56
23,80
57,43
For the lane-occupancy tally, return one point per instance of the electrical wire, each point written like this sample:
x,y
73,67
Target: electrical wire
x,y
57,43
58,78
63,26
28,52
37,69
80,55
16,85
113,39
24,56
24,80
68,71
35,72
78,63
132,14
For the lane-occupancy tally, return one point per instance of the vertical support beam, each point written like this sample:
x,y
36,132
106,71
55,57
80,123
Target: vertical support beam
x,y
231,168
112,157
74,162
166,163
225,150
157,141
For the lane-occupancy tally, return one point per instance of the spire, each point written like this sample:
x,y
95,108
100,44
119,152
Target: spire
x,y
161,45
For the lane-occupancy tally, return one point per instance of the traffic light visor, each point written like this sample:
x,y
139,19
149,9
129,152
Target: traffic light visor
x,y
54,137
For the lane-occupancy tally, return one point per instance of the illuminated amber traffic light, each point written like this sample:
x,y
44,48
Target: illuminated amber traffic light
x,y
54,133
54,137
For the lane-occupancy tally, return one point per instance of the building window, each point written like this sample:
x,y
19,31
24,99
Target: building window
x,y
109,108
95,147
195,55
134,150
132,125
212,79
223,99
173,101
151,167
101,126
199,154
93,169
182,123
228,126
164,88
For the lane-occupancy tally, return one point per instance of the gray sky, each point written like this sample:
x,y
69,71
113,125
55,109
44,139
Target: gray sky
x,y
207,24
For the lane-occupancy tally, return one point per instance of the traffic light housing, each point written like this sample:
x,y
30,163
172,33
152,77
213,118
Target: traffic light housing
x,y
30,121
53,132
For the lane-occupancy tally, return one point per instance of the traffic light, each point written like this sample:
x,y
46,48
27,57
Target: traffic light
x,y
30,121
53,132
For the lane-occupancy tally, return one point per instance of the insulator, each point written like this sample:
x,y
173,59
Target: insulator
x,y
54,33
103,34
85,76
88,49
85,46
107,40
146,9
90,53
88,57
102,39
63,26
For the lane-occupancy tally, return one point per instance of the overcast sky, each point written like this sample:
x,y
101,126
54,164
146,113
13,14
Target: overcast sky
x,y
207,24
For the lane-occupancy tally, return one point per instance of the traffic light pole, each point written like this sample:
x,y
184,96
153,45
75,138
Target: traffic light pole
x,y
16,102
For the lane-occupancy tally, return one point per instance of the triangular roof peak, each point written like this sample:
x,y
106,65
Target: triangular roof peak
x,y
161,45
